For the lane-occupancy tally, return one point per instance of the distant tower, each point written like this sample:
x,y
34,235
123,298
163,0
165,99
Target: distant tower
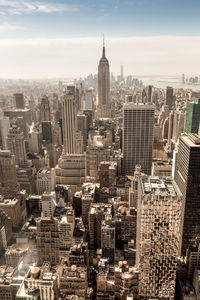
x,y
138,123
169,97
122,72
187,176
104,86
16,145
45,109
19,101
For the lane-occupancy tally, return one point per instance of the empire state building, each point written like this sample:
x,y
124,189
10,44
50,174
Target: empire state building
x,y
104,110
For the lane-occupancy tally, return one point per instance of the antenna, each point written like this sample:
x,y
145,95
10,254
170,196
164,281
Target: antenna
x,y
103,41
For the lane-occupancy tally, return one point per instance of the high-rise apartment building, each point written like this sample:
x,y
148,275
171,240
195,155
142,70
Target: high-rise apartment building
x,y
138,123
16,145
169,97
187,176
19,101
192,121
158,236
103,87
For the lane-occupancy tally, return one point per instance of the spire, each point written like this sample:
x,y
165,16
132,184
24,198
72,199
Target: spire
x,y
103,47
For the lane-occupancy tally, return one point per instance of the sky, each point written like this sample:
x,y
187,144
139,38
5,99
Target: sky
x,y
63,38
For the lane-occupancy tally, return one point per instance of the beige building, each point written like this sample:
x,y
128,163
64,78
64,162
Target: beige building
x,y
158,236
73,281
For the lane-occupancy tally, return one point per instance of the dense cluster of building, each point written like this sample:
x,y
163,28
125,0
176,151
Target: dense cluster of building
x,y
99,190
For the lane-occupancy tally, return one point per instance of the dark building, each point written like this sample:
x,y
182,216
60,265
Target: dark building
x,y
169,97
19,101
187,176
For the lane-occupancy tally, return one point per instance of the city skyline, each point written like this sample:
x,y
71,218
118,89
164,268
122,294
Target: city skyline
x,y
42,39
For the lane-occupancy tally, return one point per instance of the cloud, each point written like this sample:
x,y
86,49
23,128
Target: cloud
x,y
10,27
14,7
76,57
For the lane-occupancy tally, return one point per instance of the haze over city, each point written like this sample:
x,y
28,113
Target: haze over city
x,y
41,39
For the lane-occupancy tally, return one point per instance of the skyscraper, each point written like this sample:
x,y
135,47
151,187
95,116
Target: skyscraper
x,y
103,86
71,168
169,97
69,123
158,236
192,121
138,123
187,176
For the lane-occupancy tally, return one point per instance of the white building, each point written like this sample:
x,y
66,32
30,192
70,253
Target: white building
x,y
48,204
45,181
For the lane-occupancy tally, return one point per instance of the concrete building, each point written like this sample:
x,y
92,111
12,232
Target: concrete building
x,y
158,236
47,238
104,108
187,177
192,120
45,181
138,124
16,145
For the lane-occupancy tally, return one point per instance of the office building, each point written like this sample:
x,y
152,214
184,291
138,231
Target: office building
x,y
158,236
187,176
104,87
192,120
138,124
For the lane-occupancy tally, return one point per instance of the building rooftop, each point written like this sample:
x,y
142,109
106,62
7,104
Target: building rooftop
x,y
159,186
